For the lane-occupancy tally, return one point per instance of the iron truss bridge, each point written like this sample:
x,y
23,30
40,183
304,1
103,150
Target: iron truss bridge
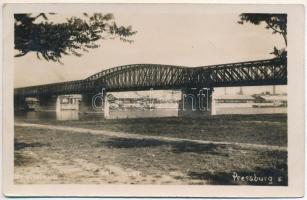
x,y
155,76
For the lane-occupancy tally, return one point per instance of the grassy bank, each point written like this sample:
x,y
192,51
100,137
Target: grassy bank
x,y
255,129
51,156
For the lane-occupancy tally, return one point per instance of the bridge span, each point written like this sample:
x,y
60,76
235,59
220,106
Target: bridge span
x,y
138,77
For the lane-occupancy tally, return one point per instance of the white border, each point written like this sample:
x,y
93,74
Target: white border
x,y
296,124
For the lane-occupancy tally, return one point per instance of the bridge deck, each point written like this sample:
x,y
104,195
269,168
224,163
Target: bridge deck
x,y
155,76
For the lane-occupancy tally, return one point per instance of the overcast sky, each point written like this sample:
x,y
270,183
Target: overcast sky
x,y
183,37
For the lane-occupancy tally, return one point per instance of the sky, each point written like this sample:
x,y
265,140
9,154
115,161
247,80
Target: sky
x,y
176,37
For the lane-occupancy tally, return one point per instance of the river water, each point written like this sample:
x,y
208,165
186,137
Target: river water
x,y
158,112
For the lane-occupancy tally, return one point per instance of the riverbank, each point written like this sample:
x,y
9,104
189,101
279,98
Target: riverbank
x,y
269,129
46,155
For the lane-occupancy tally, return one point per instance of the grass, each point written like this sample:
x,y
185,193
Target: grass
x,y
86,158
256,129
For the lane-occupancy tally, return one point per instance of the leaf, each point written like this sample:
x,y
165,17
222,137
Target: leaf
x,y
52,40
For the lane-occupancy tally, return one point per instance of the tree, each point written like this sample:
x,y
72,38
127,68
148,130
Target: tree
x,y
53,40
275,22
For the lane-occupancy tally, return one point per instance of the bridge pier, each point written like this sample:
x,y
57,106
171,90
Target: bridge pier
x,y
195,102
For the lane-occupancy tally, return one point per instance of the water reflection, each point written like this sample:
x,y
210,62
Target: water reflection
x,y
158,112
143,113
67,115
76,115
47,115
250,111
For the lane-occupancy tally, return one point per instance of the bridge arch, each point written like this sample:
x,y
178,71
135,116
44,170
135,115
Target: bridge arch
x,y
146,76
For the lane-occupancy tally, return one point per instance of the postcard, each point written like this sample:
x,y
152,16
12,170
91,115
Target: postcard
x,y
153,100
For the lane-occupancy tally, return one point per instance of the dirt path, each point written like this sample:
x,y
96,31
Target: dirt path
x,y
136,136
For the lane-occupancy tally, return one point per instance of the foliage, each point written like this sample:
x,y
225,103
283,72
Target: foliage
x,y
280,53
275,22
52,40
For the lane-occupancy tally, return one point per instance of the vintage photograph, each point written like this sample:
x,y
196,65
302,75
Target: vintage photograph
x,y
151,97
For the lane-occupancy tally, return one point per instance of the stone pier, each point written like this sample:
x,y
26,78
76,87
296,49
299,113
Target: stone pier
x,y
196,102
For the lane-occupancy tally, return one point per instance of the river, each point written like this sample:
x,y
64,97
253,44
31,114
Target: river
x,y
158,112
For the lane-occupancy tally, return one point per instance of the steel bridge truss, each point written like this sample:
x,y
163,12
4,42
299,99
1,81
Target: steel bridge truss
x,y
154,76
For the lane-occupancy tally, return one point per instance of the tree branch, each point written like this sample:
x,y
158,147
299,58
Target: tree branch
x,y
280,32
285,38
273,27
20,54
50,41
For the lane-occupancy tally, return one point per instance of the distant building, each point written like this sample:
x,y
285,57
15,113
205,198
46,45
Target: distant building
x,y
249,104
233,101
234,98
271,100
132,103
31,103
